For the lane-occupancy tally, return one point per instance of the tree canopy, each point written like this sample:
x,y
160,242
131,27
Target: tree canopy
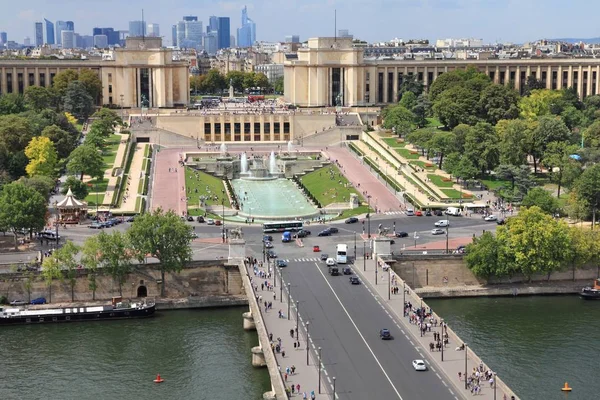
x,y
21,208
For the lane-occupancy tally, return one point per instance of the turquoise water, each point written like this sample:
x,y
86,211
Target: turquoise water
x,y
275,198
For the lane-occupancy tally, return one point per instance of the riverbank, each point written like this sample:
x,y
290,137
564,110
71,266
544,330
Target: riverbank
x,y
504,290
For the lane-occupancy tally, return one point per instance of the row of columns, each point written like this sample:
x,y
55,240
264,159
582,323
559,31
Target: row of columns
x,y
14,71
272,136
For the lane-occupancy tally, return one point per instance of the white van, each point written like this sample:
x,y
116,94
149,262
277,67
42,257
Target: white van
x,y
410,212
442,223
454,211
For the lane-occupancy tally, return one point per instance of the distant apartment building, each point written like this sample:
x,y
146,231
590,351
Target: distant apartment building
x,y
457,43
344,33
272,71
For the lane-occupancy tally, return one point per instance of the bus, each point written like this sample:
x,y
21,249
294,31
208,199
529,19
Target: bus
x,y
341,254
282,226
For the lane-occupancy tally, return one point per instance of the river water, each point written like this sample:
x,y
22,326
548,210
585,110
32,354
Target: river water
x,y
535,344
201,354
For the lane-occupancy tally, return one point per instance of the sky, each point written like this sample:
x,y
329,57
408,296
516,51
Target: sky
x,y
493,21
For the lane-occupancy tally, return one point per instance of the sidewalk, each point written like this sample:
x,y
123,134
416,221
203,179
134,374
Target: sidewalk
x,y
305,376
454,361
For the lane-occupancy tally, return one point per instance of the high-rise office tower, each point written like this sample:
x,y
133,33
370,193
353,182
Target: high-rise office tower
x,y
38,33
48,32
26,41
231,41
60,26
246,34
111,35
100,41
87,42
190,18
3,38
189,32
70,26
174,35
67,39
153,30
210,42
213,24
224,33
78,40
292,39
137,28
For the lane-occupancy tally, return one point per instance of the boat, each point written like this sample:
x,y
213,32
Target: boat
x,y
591,293
119,309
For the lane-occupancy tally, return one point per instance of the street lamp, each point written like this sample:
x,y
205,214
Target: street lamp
x,y
364,257
495,384
223,205
415,237
447,227
289,294
376,272
389,283
281,284
442,326
297,303
320,370
369,216
466,348
354,245
307,326
57,222
333,388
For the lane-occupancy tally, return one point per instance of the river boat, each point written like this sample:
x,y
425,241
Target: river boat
x,y
119,309
591,293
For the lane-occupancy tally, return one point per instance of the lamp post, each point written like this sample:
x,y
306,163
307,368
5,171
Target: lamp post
x,y
442,325
57,222
223,205
289,295
307,326
466,348
369,216
415,237
389,283
495,384
333,388
364,257
354,245
320,370
280,284
447,227
376,272
297,303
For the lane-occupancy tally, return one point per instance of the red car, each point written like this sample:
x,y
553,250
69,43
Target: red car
x,y
419,214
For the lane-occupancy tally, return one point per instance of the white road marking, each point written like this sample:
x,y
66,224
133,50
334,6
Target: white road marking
x,y
360,334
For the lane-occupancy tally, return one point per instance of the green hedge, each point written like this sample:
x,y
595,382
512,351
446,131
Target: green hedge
x,y
116,200
145,190
391,181
355,149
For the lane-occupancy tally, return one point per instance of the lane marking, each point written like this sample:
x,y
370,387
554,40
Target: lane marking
x,y
359,333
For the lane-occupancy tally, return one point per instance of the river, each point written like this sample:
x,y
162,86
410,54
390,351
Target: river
x,y
201,354
535,344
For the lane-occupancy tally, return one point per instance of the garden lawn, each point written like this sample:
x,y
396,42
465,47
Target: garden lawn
x,y
393,142
494,183
407,154
354,211
455,194
109,153
201,182
327,189
90,199
429,166
439,181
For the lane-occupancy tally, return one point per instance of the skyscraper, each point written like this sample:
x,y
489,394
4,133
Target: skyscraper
x,y
100,41
210,42
292,39
111,35
174,35
189,32
3,38
48,32
224,33
26,41
153,30
38,33
59,26
70,26
190,18
67,39
246,34
213,24
137,28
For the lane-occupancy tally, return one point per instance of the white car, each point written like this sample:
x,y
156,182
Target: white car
x,y
410,212
210,221
330,261
491,218
419,365
437,231
442,223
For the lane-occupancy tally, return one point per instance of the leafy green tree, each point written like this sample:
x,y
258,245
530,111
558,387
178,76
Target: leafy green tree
x,y
214,81
197,83
549,129
261,81
278,85
165,237
15,133
591,105
410,84
65,256
573,118
42,157
457,105
249,80
587,188
16,164
485,256
421,138
498,102
64,142
38,98
541,198
11,103
42,184
91,252
446,81
92,83
532,84
443,143
79,188
398,118
465,169
591,135
115,256
451,161
86,160
408,100
581,249
557,158
51,270
538,103
21,208
237,80
460,133
481,147
62,80
511,134
422,110
77,100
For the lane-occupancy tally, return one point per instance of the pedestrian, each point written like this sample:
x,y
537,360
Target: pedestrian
x,y
298,388
459,375
293,389
285,376
283,354
292,332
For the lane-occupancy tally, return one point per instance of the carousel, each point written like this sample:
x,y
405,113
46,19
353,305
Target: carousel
x,y
71,210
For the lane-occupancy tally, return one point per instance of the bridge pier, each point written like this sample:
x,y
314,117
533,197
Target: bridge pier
x,y
258,357
249,324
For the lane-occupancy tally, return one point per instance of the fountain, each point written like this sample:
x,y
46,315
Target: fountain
x,y
223,149
290,147
272,164
244,163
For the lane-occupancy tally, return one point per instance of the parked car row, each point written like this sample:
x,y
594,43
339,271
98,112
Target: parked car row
x,y
109,223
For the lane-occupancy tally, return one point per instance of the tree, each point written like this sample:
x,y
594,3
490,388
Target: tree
x,y
92,83
86,160
532,84
77,100
457,105
481,147
262,82
65,255
549,129
115,256
484,256
237,80
541,198
21,208
42,184
444,82
42,157
557,159
408,100
38,98
511,134
410,84
498,102
443,143
90,258
165,237
249,80
573,118
278,85
62,80
15,132
422,110
64,142
214,81
399,119
591,136
465,169
582,247
587,189
79,188
51,270
109,119
197,83
538,103
11,103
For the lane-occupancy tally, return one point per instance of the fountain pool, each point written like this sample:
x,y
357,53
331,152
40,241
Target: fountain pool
x,y
271,199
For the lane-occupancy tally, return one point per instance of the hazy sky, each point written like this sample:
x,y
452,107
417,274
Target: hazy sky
x,y
371,20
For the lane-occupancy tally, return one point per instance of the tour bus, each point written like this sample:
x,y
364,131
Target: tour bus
x,y
292,226
341,254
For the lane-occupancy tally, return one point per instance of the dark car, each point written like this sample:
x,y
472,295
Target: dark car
x,y
438,213
351,220
334,271
354,280
281,263
130,219
401,234
385,334
326,232
39,300
324,257
302,234
190,219
501,221
347,271
267,238
333,230
200,219
271,254
428,213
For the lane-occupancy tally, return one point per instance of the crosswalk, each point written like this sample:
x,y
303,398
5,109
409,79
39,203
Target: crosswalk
x,y
394,212
314,259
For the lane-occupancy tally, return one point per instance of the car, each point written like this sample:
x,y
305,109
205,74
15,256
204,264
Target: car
x,y
351,220
281,263
326,232
419,213
267,238
385,334
316,249
437,231
401,234
428,213
438,213
347,271
334,271
302,234
331,229
271,254
194,235
268,245
419,365
18,303
501,221
461,249
96,225
324,257
39,300
218,222
410,212
392,241
442,223
190,218
354,280
130,219
210,221
330,261
491,218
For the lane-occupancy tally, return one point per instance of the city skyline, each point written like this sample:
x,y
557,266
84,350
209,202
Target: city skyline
x,y
429,19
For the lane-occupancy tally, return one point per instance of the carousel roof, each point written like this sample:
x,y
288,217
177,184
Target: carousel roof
x,y
71,202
